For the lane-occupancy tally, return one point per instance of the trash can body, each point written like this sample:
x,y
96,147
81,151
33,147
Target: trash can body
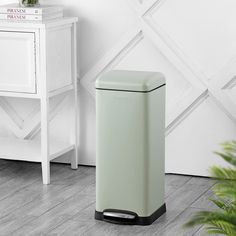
x,y
130,147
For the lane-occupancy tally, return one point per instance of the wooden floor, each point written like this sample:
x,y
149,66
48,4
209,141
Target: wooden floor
x,y
66,207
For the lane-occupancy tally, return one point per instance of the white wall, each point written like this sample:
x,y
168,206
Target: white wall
x,y
191,41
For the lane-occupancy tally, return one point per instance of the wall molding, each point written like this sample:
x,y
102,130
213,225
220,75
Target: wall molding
x,y
30,126
198,90
111,59
222,78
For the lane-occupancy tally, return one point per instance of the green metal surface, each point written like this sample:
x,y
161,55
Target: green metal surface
x,y
130,149
130,80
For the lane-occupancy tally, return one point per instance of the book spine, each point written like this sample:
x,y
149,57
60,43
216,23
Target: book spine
x,y
19,17
31,11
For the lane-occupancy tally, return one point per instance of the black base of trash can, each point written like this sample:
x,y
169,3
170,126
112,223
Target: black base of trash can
x,y
128,218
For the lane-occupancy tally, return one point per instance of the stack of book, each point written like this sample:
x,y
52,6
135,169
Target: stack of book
x,y
14,12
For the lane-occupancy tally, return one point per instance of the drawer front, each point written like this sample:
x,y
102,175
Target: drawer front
x,y
17,62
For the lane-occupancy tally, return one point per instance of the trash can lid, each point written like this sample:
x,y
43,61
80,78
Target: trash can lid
x,y
138,81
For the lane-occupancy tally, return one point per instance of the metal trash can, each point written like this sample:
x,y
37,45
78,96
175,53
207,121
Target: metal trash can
x,y
130,110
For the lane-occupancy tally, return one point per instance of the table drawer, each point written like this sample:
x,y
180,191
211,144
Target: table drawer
x,y
17,62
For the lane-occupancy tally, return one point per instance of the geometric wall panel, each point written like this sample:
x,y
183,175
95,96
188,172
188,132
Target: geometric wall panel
x,y
190,92
189,149
189,50
146,57
211,83
199,34
188,89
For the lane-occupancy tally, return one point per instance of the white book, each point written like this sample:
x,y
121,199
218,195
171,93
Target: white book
x,y
39,10
20,17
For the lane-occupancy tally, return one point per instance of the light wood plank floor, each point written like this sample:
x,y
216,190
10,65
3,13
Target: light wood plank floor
x,y
66,207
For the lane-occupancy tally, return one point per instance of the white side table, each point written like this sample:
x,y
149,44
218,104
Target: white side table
x,y
38,61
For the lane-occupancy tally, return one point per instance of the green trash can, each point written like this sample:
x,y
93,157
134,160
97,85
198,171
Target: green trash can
x,y
130,148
